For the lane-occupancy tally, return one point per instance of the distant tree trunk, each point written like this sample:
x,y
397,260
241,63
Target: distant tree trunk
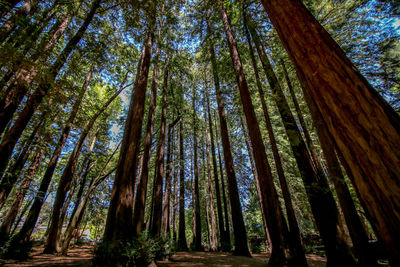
x,y
206,193
11,177
320,197
294,233
12,212
21,215
222,233
239,230
182,244
10,139
364,127
175,209
155,226
196,206
225,246
168,182
214,240
356,228
141,191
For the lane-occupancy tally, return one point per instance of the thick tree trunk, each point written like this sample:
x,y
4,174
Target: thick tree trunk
x,y
12,213
119,219
294,233
365,129
356,228
239,230
10,139
141,191
320,197
182,244
155,226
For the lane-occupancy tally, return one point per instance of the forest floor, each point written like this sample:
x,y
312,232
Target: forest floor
x,y
82,256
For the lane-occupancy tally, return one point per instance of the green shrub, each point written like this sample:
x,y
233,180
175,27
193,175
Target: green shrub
x,y
16,250
140,252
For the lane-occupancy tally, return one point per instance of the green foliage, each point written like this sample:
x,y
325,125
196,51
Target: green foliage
x,y
139,252
17,251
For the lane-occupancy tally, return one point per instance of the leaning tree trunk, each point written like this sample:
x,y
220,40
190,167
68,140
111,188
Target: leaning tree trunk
x,y
10,139
67,176
272,209
141,191
12,212
322,203
155,226
365,129
294,233
239,230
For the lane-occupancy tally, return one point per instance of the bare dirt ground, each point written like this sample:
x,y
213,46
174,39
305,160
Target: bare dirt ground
x,y
77,256
227,259
82,256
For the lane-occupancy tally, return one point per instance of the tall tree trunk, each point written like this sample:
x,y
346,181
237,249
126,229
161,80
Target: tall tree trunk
x,y
12,213
196,206
294,233
182,244
356,228
119,219
168,182
11,177
364,127
141,191
225,246
273,212
206,193
320,197
239,231
67,176
222,233
175,207
10,139
155,226
214,240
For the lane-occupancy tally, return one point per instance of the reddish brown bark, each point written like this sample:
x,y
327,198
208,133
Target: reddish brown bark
x,y
155,225
239,231
175,203
225,246
168,181
365,129
294,233
182,244
141,191
322,203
